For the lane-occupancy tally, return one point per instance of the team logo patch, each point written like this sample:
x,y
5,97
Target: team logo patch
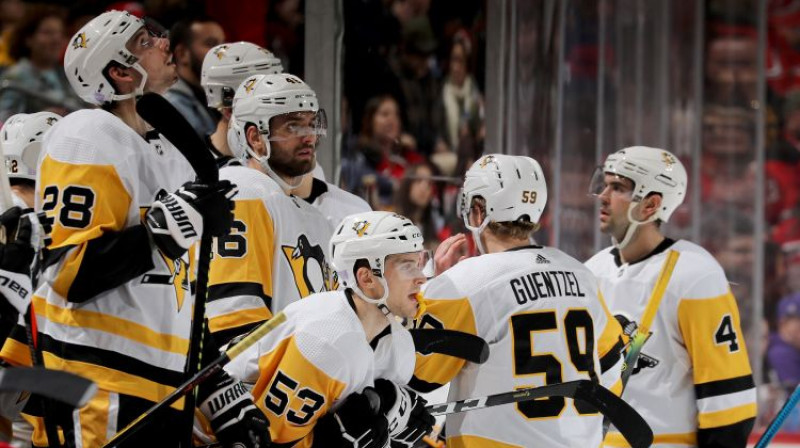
x,y
220,52
644,361
79,41
668,159
307,261
51,121
361,228
249,85
487,160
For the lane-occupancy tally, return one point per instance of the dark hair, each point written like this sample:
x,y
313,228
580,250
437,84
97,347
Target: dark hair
x,y
34,16
360,263
406,208
181,31
371,108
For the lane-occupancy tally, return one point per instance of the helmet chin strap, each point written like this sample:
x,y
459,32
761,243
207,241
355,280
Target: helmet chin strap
x,y
380,303
632,226
476,235
139,91
264,163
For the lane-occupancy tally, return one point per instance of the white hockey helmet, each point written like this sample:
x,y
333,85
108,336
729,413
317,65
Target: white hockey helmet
x,y
652,170
227,65
260,98
21,139
513,187
100,41
372,236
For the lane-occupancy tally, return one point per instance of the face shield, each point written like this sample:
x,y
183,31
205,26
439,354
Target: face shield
x,y
147,37
608,183
408,267
298,125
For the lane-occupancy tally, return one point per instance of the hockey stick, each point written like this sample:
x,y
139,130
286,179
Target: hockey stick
x,y
207,371
169,122
450,342
776,423
632,426
68,388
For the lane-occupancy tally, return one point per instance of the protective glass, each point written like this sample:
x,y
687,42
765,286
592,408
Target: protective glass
x,y
603,183
409,267
298,125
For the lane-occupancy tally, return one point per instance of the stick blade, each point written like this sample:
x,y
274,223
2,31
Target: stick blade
x,y
65,387
450,342
630,424
163,116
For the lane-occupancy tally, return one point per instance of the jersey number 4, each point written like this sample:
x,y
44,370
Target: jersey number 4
x,y
524,327
725,334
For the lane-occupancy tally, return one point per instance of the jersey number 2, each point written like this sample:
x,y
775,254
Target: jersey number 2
x,y
726,334
524,327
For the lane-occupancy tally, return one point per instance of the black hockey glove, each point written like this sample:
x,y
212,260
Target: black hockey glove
x,y
177,220
23,234
357,423
236,421
405,410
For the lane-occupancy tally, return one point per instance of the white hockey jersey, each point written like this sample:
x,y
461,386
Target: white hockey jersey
x,y
693,372
334,203
276,254
308,364
545,323
97,177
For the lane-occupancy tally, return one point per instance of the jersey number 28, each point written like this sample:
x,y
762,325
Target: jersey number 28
x,y
524,327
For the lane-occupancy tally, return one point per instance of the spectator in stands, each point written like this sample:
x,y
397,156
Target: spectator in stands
x,y
728,150
190,39
382,154
416,199
11,13
37,81
420,86
784,344
461,99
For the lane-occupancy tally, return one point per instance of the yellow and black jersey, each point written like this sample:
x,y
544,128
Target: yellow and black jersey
x,y
275,254
693,379
545,323
109,306
309,363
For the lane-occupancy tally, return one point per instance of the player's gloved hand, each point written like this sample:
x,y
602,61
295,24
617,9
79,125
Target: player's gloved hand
x,y
236,421
23,234
405,410
177,220
357,423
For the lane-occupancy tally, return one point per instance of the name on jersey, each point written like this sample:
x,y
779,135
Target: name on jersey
x,y
545,284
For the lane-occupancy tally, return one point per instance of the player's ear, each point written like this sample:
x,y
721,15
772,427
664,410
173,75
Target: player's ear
x,y
365,278
119,74
650,205
254,139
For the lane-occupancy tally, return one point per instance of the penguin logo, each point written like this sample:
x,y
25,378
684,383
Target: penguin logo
x,y
51,121
307,261
220,52
644,361
361,228
79,41
249,85
668,159
487,160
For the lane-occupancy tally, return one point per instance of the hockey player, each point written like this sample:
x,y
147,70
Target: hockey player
x,y
21,138
316,376
692,382
538,308
276,252
224,68
114,303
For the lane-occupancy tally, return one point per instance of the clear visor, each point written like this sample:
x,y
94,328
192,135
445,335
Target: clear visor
x,y
298,125
608,183
147,36
411,265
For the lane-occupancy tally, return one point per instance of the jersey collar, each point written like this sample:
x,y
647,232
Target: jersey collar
x,y
662,246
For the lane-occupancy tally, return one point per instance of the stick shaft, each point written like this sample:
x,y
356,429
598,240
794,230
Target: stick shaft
x,y
776,423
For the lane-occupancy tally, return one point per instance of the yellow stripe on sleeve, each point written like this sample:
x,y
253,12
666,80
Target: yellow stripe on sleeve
x,y
615,439
238,318
470,441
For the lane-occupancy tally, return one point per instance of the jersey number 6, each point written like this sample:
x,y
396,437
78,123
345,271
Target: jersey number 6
x,y
524,327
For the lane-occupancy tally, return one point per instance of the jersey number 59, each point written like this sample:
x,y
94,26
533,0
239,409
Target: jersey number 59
x,y
524,327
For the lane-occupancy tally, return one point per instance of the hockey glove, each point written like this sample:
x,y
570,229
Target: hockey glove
x,y
357,423
16,256
405,410
177,220
236,421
